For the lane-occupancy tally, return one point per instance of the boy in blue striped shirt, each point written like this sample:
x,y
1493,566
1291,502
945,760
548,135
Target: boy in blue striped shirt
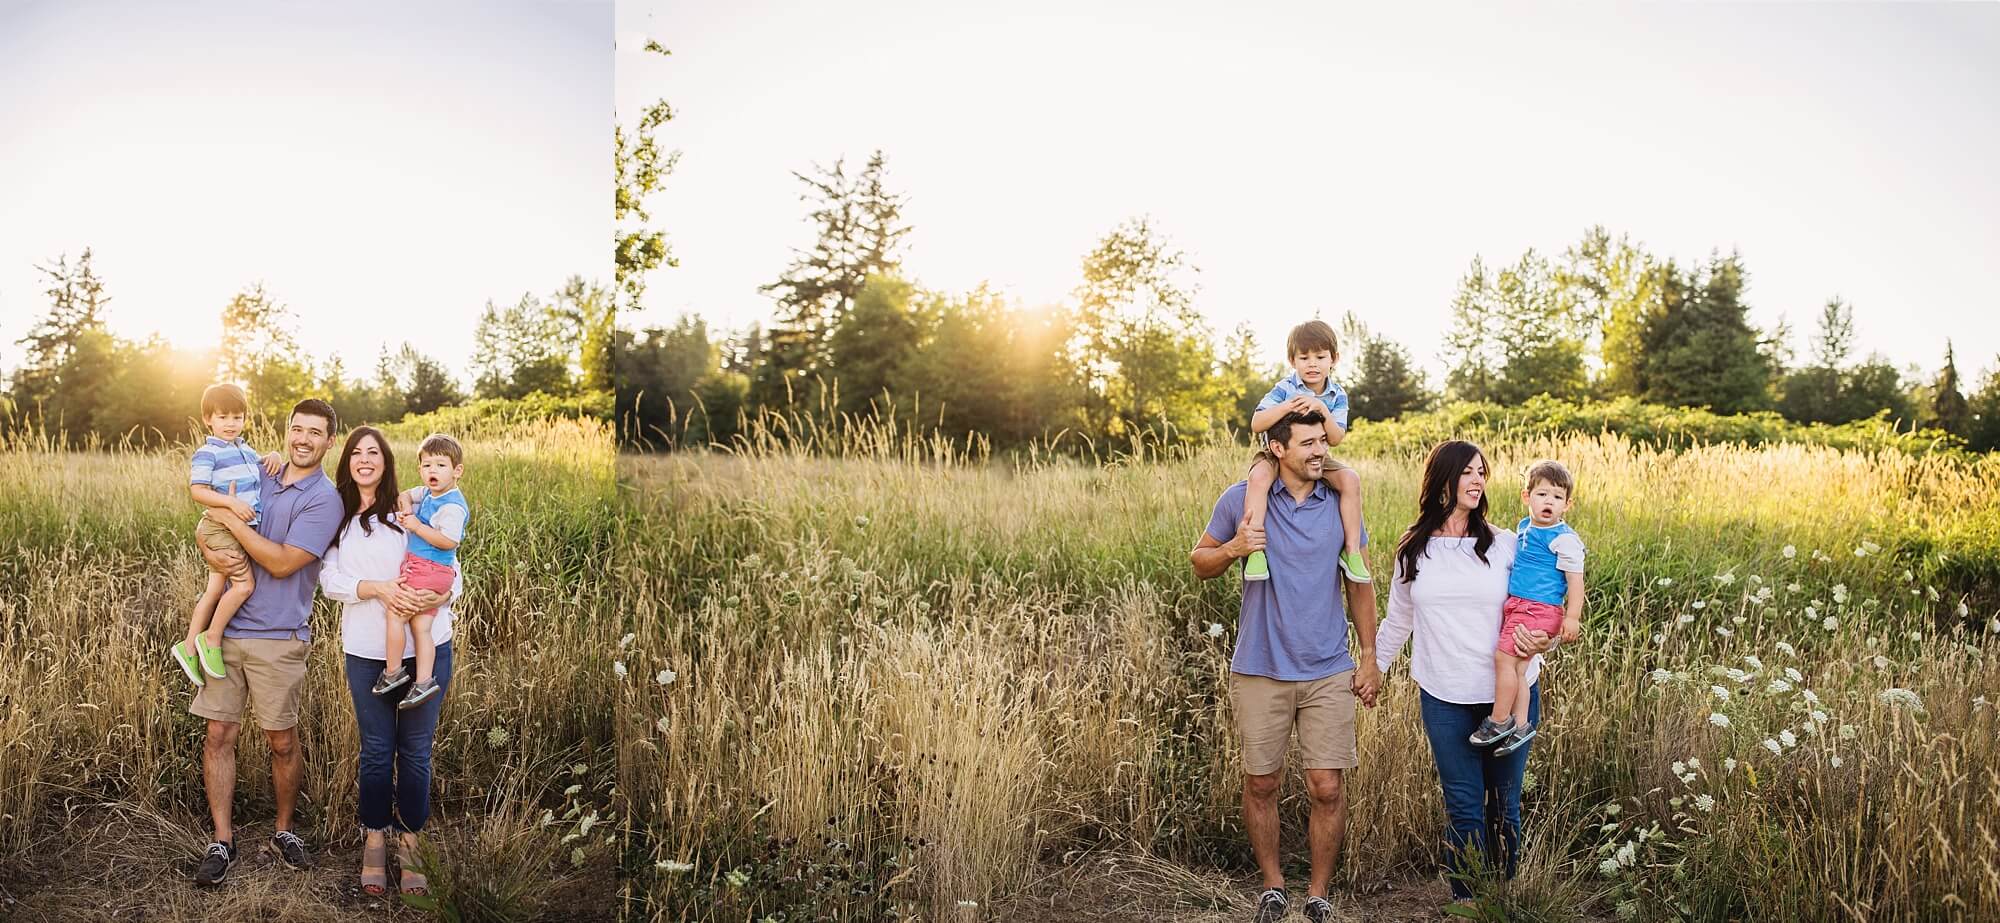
x,y
223,474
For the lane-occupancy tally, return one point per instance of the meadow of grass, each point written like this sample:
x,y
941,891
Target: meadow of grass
x,y
99,760
872,678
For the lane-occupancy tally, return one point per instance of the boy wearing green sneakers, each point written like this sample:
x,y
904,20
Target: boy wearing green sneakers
x,y
1312,349
224,475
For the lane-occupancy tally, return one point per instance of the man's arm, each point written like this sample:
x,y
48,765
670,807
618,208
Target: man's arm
x,y
279,560
1361,615
1210,557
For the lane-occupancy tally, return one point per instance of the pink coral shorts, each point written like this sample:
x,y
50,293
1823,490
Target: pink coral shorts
x,y
1529,614
422,573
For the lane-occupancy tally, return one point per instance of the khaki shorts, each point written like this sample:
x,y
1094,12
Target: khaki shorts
x,y
215,536
1267,708
270,671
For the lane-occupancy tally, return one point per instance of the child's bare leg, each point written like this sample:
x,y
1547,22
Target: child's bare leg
x,y
204,609
1348,485
1506,683
392,642
225,609
426,650
1521,691
1258,496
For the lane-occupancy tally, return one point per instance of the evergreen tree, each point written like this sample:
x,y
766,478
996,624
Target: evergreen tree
x,y
76,310
1698,346
1386,383
1149,351
520,350
874,343
1471,342
1948,409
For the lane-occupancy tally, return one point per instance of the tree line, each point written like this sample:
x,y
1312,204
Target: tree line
x,y
1128,355
82,383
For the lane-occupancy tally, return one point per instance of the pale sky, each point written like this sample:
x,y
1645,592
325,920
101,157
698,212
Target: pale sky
x,y
1314,159
383,167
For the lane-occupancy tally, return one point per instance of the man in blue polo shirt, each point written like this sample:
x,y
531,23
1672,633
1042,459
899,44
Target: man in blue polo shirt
x,y
1292,664
264,646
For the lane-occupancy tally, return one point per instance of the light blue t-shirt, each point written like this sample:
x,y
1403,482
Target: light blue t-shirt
x,y
1293,626
1545,554
1333,398
447,513
218,465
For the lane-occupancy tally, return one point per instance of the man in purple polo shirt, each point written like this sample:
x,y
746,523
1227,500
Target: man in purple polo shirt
x,y
264,647
1292,664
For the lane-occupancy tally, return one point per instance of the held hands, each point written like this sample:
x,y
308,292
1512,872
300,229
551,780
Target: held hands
x,y
403,506
1572,629
1301,404
1367,682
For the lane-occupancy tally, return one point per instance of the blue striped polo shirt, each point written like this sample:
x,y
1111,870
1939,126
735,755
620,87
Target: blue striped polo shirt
x,y
219,464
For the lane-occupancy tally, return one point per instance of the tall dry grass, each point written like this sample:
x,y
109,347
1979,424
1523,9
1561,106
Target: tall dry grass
x,y
897,682
98,572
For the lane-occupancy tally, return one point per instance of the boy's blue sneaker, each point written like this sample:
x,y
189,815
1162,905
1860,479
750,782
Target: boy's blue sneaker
x,y
1491,732
185,659
1516,740
1254,567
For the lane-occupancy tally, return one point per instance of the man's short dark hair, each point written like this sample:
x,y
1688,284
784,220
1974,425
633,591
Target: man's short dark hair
x,y
1281,431
315,407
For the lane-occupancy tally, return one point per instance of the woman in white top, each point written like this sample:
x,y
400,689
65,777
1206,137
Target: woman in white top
x,y
360,571
1449,584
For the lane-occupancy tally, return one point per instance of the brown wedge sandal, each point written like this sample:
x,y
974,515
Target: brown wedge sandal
x,y
375,868
410,881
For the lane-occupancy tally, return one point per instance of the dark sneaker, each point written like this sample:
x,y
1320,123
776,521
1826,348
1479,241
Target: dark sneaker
x,y
291,849
390,681
1492,732
1272,905
1516,740
419,694
215,865
1319,910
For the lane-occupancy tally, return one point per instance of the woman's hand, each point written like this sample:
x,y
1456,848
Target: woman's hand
x,y
425,600
1529,643
393,594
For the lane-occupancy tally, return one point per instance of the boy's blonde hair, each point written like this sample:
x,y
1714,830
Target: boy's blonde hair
x,y
441,444
1551,472
223,397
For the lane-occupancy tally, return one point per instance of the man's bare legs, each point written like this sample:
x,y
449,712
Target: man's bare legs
x,y
1260,818
287,768
1328,826
218,775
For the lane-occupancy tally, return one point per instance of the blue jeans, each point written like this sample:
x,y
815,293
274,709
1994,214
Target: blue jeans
x,y
1482,792
395,745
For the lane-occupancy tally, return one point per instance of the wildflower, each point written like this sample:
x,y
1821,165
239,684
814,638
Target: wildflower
x,y
674,868
1811,697
1847,732
1881,662
1729,764
1793,674
661,724
497,737
1830,623
1628,854
1819,555
1698,605
1963,610
967,905
1787,738
1608,868
1833,761
861,522
573,789
1789,552
1773,746
1778,686
1860,552
622,642
737,878
1705,802
1818,717
1755,664
1628,910
1840,593
1792,587
1662,676
666,677
1979,703
618,667
1720,692
1917,636
1684,619
1740,619
1723,631
1787,650
1718,719
1694,762
1659,638
1215,629
1895,697
1680,767
1687,778
1907,576
1930,592
1993,624
1812,612
1613,809
1725,578
1664,581
1736,676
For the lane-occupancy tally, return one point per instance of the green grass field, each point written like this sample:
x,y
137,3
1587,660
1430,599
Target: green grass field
x,y
879,678
101,760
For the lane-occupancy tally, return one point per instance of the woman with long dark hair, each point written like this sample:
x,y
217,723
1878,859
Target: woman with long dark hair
x,y
360,571
1450,581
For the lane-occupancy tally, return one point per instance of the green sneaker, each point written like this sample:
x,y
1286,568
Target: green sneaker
x,y
1357,569
184,659
1254,568
211,658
